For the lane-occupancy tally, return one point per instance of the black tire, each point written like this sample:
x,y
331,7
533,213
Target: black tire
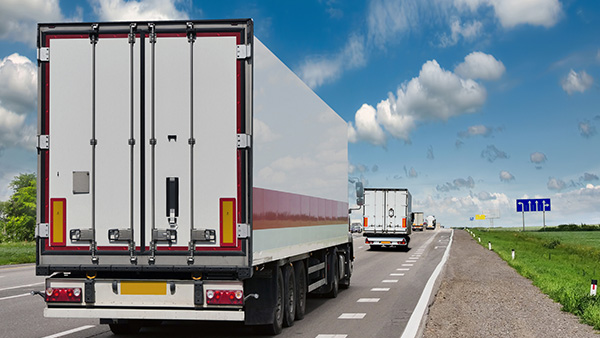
x,y
289,295
131,327
276,326
301,289
333,270
345,283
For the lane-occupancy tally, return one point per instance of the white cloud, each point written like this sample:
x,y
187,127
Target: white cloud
x,y
537,158
316,71
491,153
19,18
576,82
556,184
512,13
121,10
263,133
478,65
18,84
387,18
478,130
457,184
18,93
505,176
367,127
436,94
586,129
468,31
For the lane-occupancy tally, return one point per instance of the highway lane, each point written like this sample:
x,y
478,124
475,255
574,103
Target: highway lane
x,y
385,288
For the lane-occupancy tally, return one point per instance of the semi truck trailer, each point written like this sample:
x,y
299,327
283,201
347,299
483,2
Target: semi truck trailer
x,y
417,220
386,214
184,173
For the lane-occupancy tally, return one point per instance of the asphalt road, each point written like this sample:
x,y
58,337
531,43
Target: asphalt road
x,y
385,288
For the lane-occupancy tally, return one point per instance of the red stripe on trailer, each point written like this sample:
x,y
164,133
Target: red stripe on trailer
x,y
277,209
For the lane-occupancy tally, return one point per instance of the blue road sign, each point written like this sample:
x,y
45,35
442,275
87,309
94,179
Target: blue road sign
x,y
471,218
536,204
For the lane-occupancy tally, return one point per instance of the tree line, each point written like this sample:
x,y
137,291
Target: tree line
x,y
17,215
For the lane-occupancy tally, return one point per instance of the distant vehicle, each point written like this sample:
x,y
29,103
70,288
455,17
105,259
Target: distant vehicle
x,y
430,222
356,227
386,219
417,220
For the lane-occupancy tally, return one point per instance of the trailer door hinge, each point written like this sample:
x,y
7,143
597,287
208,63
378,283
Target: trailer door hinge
x,y
243,141
43,54
242,230
243,51
43,142
41,230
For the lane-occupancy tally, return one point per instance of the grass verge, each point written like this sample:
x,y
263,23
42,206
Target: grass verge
x,y
560,264
17,253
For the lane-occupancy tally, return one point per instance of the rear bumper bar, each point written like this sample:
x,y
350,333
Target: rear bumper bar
x,y
164,314
386,241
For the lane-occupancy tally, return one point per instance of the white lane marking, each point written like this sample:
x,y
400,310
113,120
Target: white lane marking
x,y
412,328
380,289
21,286
403,269
64,333
411,261
389,281
16,296
396,274
407,264
331,336
2,276
352,316
360,247
368,300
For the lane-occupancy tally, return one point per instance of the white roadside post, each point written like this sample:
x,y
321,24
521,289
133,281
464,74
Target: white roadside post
x,y
490,246
593,287
513,254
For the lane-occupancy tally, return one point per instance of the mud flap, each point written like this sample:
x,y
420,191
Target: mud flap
x,y
260,311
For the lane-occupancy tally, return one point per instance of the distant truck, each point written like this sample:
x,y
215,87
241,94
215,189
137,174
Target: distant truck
x,y
180,177
417,221
386,217
430,222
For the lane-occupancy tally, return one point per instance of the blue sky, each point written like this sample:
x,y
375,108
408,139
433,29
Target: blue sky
x,y
470,104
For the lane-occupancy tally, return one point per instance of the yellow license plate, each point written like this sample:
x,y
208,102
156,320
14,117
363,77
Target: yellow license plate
x,y
143,288
386,242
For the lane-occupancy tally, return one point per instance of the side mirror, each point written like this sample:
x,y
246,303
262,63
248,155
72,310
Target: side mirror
x,y
360,194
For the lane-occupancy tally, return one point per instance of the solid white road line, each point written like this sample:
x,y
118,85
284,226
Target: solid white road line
x,y
64,333
412,328
331,336
21,286
16,296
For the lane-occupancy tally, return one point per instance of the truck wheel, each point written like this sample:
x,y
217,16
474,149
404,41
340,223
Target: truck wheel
x,y
333,270
289,295
276,326
130,327
300,289
345,283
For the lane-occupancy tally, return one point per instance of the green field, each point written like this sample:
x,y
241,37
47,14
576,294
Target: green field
x,y
17,253
561,264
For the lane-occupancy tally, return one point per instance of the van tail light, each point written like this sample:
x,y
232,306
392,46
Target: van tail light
x,y
70,295
224,297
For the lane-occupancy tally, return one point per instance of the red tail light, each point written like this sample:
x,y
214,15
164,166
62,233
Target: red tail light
x,y
224,297
71,295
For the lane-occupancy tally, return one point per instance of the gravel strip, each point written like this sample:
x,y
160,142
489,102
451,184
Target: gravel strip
x,y
481,296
